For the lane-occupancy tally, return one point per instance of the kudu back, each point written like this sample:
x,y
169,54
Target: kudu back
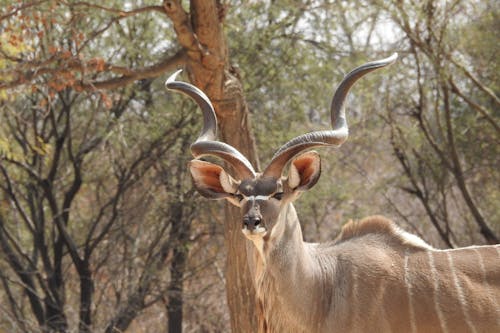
x,y
374,277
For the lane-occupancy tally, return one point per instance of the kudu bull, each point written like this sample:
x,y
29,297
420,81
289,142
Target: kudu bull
x,y
374,277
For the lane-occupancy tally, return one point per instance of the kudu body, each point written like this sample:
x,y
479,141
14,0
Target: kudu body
x,y
373,278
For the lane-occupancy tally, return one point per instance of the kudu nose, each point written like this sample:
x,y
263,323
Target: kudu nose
x,y
252,222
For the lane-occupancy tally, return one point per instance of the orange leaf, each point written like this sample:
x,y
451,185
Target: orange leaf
x,y
100,65
106,100
52,49
66,54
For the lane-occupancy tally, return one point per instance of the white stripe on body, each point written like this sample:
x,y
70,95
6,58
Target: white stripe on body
x,y
355,304
386,326
442,319
487,285
460,292
410,293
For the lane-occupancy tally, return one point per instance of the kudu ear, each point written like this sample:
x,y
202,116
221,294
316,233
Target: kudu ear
x,y
304,171
211,180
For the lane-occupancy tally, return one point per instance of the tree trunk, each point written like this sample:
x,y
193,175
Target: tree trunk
x,y
86,293
241,298
200,33
175,291
179,236
235,129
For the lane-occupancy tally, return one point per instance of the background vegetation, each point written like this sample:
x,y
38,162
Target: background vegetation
x,y
100,229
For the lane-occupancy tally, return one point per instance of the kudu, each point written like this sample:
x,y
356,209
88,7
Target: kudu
x,y
374,277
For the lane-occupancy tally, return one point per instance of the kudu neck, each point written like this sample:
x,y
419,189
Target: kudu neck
x,y
284,241
287,228
283,267
285,245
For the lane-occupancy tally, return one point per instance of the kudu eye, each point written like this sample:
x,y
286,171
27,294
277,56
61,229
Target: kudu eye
x,y
239,197
278,196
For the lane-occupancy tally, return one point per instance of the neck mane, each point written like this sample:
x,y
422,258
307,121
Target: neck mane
x,y
383,227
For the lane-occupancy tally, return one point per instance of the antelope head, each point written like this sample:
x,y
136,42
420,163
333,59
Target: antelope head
x,y
262,196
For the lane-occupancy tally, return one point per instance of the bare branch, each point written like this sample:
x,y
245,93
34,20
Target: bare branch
x,y
474,79
121,13
130,75
457,171
8,188
474,105
153,71
23,274
16,10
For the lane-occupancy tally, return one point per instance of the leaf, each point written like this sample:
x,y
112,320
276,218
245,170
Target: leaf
x,y
41,147
98,63
106,101
52,49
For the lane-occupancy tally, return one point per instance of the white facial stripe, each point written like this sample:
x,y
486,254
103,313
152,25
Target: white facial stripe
x,y
258,197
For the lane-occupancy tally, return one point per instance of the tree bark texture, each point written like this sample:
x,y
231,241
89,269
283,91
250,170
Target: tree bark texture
x,y
200,33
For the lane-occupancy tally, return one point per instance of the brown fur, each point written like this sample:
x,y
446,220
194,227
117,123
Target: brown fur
x,y
369,225
376,225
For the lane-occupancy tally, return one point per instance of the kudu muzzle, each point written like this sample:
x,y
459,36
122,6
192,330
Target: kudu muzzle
x,y
252,218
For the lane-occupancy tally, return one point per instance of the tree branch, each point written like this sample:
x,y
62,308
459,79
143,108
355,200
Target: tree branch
x,y
129,75
474,79
185,35
166,65
16,10
121,13
457,171
24,275
474,105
